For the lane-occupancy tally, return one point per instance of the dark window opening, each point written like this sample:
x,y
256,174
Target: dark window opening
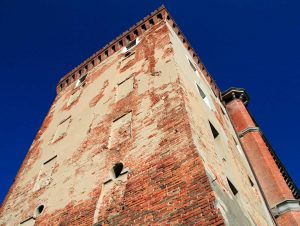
x,y
39,210
252,184
117,169
213,130
232,187
144,27
80,71
151,21
136,32
106,53
93,62
234,141
128,37
73,77
202,94
159,16
178,33
86,67
168,17
67,81
223,112
131,44
183,40
192,66
61,86
81,80
174,25
99,58
128,54
121,42
113,48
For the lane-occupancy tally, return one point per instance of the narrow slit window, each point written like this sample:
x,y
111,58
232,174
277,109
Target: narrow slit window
x,y
223,112
232,187
251,182
204,97
213,130
202,94
192,66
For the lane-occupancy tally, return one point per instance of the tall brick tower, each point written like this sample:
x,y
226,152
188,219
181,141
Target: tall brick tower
x,y
140,134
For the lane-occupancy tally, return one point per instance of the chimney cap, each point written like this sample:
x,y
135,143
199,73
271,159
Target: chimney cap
x,y
235,93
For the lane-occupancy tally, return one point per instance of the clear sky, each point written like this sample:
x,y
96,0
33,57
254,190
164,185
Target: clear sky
x,y
252,44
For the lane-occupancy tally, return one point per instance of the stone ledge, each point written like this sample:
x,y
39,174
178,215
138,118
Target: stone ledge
x,y
286,206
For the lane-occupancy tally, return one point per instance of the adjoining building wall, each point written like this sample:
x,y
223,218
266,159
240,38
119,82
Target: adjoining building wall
x,y
281,193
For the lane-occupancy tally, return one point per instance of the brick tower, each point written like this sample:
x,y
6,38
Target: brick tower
x,y
140,134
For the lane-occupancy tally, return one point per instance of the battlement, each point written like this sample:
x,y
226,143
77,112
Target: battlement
x,y
124,39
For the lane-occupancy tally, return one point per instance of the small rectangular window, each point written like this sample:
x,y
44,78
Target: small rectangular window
x,y
250,181
131,44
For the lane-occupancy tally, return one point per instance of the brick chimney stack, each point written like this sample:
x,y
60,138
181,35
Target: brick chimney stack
x,y
280,192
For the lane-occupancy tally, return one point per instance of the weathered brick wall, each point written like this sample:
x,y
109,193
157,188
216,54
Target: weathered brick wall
x,y
223,157
269,175
144,110
166,181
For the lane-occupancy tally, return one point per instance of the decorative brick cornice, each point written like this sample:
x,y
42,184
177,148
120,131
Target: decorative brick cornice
x,y
248,130
235,93
286,206
126,37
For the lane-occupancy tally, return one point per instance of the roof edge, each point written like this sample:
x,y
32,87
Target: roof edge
x,y
136,30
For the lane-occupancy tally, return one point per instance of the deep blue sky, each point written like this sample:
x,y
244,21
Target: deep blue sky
x,y
252,44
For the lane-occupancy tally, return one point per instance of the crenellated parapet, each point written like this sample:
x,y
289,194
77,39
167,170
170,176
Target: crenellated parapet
x,y
161,14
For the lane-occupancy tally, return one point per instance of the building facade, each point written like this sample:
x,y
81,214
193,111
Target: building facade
x,y
140,134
